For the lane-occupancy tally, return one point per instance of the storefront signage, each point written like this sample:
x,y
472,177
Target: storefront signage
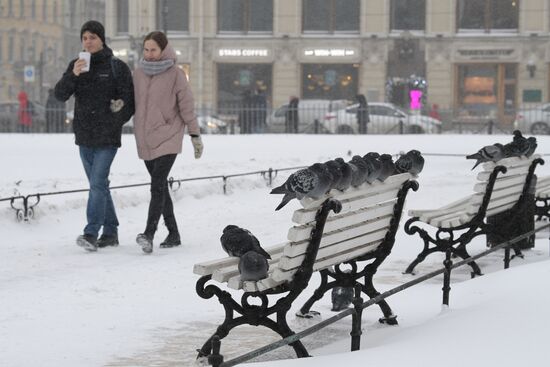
x,y
486,54
243,52
330,52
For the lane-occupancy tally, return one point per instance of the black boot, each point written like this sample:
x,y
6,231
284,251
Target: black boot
x,y
172,240
107,240
146,242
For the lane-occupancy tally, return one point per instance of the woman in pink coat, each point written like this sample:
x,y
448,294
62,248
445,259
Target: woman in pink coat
x,y
164,108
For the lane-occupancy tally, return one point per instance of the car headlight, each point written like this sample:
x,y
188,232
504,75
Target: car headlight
x,y
211,125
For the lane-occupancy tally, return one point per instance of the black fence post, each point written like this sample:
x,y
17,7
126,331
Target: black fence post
x,y
232,126
506,257
270,174
215,359
316,126
356,319
401,127
490,125
448,263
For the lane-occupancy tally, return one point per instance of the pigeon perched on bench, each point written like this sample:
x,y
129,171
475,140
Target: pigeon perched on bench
x,y
312,182
237,241
489,153
253,266
345,182
335,170
359,175
411,162
374,166
520,146
387,167
341,298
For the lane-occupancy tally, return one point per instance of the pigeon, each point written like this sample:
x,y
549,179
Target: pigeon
x,y
411,162
520,146
253,266
237,241
489,153
335,170
341,298
362,171
312,182
388,167
372,159
345,182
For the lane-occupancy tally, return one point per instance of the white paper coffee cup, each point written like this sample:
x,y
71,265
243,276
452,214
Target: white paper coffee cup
x,y
85,56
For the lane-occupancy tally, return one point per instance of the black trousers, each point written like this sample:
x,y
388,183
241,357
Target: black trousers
x,y
161,203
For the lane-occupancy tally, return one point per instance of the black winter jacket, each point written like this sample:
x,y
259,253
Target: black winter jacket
x,y
94,124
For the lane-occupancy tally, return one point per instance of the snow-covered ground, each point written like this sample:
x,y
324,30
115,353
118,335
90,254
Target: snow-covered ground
x,y
63,307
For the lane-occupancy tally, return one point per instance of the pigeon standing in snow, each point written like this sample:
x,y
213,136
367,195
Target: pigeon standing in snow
x,y
253,266
372,160
489,153
313,182
237,241
341,298
387,168
411,162
345,181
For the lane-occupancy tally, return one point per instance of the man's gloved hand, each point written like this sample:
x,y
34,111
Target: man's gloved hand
x,y
197,146
116,105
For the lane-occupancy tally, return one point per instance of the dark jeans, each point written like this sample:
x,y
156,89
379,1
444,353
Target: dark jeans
x,y
100,211
161,203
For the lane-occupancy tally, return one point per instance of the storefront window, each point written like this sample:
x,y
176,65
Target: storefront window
x,y
487,91
122,17
236,80
487,15
329,81
408,14
173,15
245,16
330,16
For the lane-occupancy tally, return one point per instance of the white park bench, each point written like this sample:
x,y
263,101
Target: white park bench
x,y
362,226
493,209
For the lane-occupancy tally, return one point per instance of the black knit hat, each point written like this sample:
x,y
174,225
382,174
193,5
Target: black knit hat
x,y
93,26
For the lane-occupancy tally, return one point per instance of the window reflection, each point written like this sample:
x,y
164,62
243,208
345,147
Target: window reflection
x,y
487,14
329,81
408,14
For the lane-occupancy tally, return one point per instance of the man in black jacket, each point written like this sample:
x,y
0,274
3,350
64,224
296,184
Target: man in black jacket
x,y
104,101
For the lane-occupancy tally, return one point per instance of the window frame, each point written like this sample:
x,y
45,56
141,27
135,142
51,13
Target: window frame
x,y
245,20
331,29
160,20
418,30
487,21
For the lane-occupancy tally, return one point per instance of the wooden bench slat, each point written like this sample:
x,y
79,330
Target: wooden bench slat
x,y
208,267
223,274
510,171
376,224
502,183
332,250
509,162
302,216
280,274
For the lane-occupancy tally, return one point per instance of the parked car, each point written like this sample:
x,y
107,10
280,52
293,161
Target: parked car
x,y
9,117
534,120
211,124
309,110
384,119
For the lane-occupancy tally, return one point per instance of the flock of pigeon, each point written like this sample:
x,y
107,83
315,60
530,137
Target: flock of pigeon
x,y
318,179
519,146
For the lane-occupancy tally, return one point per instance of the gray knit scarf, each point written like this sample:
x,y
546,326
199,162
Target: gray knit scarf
x,y
155,67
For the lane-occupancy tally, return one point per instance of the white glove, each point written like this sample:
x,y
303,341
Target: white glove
x,y
116,105
197,146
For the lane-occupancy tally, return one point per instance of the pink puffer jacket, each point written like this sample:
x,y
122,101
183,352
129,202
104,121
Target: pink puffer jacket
x,y
164,107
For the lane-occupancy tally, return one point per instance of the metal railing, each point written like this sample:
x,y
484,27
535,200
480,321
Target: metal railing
x,y
217,360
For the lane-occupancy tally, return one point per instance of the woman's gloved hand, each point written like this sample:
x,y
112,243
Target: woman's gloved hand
x,y
198,147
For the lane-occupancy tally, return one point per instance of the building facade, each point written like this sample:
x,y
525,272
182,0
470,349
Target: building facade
x,y
474,57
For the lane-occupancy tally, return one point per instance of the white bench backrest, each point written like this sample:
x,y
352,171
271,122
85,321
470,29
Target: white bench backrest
x,y
508,186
